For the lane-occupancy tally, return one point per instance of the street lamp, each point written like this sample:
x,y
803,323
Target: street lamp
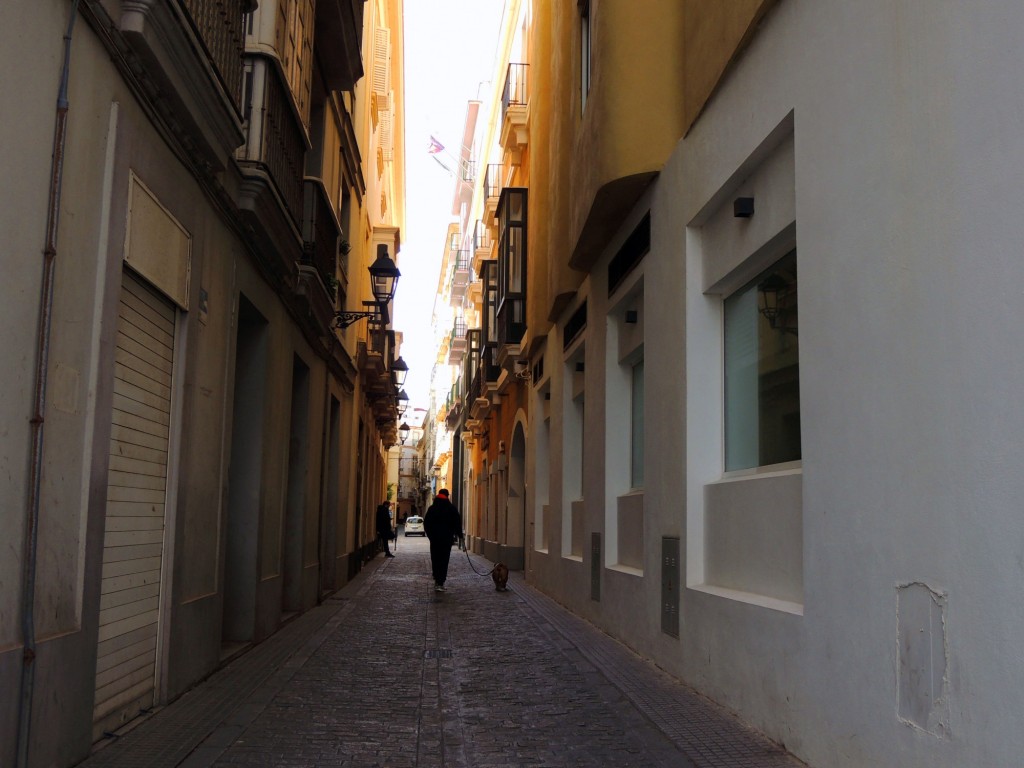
x,y
401,403
401,370
384,276
403,431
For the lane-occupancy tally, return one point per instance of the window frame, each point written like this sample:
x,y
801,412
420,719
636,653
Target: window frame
x,y
781,328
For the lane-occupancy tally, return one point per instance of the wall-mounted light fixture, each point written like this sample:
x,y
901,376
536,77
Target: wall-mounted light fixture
x,y
400,370
401,403
403,432
743,207
384,276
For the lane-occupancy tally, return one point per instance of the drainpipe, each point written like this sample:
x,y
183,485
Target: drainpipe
x,y
29,558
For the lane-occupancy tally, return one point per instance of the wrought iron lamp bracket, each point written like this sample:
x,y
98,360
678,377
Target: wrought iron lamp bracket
x,y
345,318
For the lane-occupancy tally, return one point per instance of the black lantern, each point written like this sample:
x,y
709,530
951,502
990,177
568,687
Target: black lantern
x,y
401,370
383,280
383,276
404,432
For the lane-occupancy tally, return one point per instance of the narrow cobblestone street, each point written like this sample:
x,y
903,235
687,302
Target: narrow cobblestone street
x,y
389,673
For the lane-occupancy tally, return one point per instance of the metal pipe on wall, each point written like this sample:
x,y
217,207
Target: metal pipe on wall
x,y
30,556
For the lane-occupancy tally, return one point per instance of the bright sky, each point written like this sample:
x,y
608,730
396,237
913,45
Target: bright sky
x,y
449,50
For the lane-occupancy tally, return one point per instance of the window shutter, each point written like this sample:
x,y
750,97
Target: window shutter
x,y
382,66
387,135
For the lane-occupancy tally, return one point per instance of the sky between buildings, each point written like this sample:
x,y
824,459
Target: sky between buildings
x,y
449,57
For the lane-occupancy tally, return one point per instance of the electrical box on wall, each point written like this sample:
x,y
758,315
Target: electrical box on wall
x,y
670,586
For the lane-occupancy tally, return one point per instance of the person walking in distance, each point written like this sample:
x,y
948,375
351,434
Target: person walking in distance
x,y
443,524
384,526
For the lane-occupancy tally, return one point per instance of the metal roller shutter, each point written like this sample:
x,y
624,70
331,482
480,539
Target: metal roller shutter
x,y
136,486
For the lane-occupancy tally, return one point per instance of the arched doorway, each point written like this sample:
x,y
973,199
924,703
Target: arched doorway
x,y
514,535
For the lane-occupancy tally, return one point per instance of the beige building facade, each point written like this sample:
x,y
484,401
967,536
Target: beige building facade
x,y
192,448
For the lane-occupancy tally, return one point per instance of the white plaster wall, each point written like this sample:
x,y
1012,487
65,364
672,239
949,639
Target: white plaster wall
x,y
908,157
906,153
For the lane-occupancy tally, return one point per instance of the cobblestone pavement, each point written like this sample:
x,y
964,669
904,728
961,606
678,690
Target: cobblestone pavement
x,y
390,673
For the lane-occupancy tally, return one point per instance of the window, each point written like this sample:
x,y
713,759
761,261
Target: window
x,y
762,381
512,265
623,461
489,339
294,44
636,433
574,455
584,52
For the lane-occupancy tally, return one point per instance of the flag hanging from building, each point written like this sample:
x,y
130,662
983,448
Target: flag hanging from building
x,y
435,146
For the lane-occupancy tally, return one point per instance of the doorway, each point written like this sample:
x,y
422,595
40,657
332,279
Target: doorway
x,y
244,479
298,480
136,507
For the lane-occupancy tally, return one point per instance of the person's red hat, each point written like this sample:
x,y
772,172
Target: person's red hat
x,y
443,492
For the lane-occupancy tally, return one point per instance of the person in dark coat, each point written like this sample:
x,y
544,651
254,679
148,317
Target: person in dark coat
x,y
384,526
443,525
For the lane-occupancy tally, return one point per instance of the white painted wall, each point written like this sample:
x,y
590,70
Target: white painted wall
x,y
907,159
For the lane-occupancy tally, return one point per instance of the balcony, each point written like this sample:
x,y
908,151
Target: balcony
x,y
471,366
317,276
271,163
339,32
320,232
489,369
515,110
460,278
511,271
493,184
457,343
453,415
191,52
482,244
489,339
511,324
376,358
484,397
372,356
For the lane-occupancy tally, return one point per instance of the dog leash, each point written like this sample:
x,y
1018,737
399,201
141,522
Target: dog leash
x,y
470,561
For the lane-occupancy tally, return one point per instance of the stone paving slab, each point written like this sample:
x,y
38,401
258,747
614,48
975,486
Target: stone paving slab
x,y
390,673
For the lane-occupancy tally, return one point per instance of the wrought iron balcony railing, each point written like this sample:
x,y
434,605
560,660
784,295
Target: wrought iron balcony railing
x,y
275,140
492,180
481,236
516,91
220,26
320,235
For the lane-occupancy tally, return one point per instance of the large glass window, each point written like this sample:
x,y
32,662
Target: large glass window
x,y
762,370
512,265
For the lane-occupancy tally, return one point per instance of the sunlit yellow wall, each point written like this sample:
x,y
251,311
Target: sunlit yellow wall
x,y
550,279
651,75
632,117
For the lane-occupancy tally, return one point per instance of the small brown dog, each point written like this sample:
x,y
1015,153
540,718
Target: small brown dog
x,y
500,575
